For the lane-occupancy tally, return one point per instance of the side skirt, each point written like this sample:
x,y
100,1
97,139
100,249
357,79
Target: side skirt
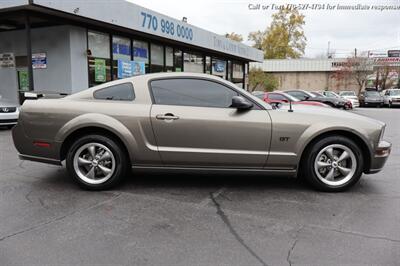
x,y
271,172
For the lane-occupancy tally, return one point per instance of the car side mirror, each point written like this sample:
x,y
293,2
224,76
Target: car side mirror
x,y
306,98
241,103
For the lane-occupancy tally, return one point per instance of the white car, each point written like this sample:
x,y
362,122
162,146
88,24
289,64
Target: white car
x,y
350,95
9,113
391,97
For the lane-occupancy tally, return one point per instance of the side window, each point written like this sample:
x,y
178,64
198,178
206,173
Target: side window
x,y
192,92
278,97
120,92
298,95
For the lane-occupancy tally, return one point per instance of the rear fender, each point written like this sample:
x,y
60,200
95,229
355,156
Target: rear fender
x,y
102,121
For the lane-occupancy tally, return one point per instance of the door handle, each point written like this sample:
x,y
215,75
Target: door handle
x,y
167,116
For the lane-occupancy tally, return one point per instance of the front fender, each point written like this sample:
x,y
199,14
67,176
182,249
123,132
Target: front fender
x,y
312,132
102,121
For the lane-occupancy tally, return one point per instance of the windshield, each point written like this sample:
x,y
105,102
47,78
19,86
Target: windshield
x,y
290,97
317,94
258,94
395,93
348,93
372,94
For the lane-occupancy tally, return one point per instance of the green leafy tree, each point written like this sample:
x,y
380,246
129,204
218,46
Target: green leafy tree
x,y
259,80
257,37
284,38
234,36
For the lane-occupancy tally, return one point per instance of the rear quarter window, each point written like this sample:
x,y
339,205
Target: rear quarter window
x,y
120,92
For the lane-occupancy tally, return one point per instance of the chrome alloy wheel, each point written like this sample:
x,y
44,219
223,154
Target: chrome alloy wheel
x,y
94,163
335,165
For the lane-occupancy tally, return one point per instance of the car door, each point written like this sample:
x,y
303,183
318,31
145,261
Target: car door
x,y
195,126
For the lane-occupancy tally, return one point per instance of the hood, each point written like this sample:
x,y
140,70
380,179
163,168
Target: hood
x,y
350,97
332,113
7,103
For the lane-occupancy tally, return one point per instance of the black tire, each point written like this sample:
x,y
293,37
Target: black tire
x,y
308,167
119,158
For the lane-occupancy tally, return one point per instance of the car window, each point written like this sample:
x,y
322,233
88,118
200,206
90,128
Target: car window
x,y
120,92
395,93
347,93
192,92
297,94
371,93
276,96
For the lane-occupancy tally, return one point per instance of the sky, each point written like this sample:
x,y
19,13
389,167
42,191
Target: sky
x,y
345,30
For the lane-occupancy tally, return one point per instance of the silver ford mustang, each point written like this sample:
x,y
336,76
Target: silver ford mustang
x,y
186,121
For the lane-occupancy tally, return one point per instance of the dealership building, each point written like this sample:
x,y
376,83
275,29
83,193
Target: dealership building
x,y
65,46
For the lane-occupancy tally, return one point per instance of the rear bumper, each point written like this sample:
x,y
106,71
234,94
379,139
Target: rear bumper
x,y
39,159
380,157
29,149
373,103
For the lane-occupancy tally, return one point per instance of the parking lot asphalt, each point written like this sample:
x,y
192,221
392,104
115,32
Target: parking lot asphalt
x,y
193,219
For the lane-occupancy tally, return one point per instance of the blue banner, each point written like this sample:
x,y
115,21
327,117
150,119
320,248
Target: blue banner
x,y
128,69
139,52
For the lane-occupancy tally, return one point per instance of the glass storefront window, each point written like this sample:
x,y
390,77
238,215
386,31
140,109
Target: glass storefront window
x,y
141,52
121,48
169,59
99,60
157,58
237,71
99,44
219,67
193,63
208,65
229,70
178,63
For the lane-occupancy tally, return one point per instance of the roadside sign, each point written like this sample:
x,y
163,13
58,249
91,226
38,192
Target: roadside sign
x,y
393,53
99,70
7,60
39,61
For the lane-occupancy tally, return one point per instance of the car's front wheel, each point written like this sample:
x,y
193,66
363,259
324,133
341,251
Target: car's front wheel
x,y
96,162
333,164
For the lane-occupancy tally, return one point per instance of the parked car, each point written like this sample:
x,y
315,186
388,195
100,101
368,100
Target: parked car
x,y
308,96
281,97
391,97
188,121
350,95
9,113
371,98
348,104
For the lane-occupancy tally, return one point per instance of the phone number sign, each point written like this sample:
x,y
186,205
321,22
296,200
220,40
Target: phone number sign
x,y
154,23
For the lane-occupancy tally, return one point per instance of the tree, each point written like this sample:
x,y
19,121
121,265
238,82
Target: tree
x,y
284,38
386,75
234,36
258,79
356,68
257,37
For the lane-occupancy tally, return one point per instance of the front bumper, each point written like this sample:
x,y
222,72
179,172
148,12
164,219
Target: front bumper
x,y
380,157
7,119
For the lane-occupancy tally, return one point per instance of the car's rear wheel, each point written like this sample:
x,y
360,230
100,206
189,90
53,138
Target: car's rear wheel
x,y
96,162
334,164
